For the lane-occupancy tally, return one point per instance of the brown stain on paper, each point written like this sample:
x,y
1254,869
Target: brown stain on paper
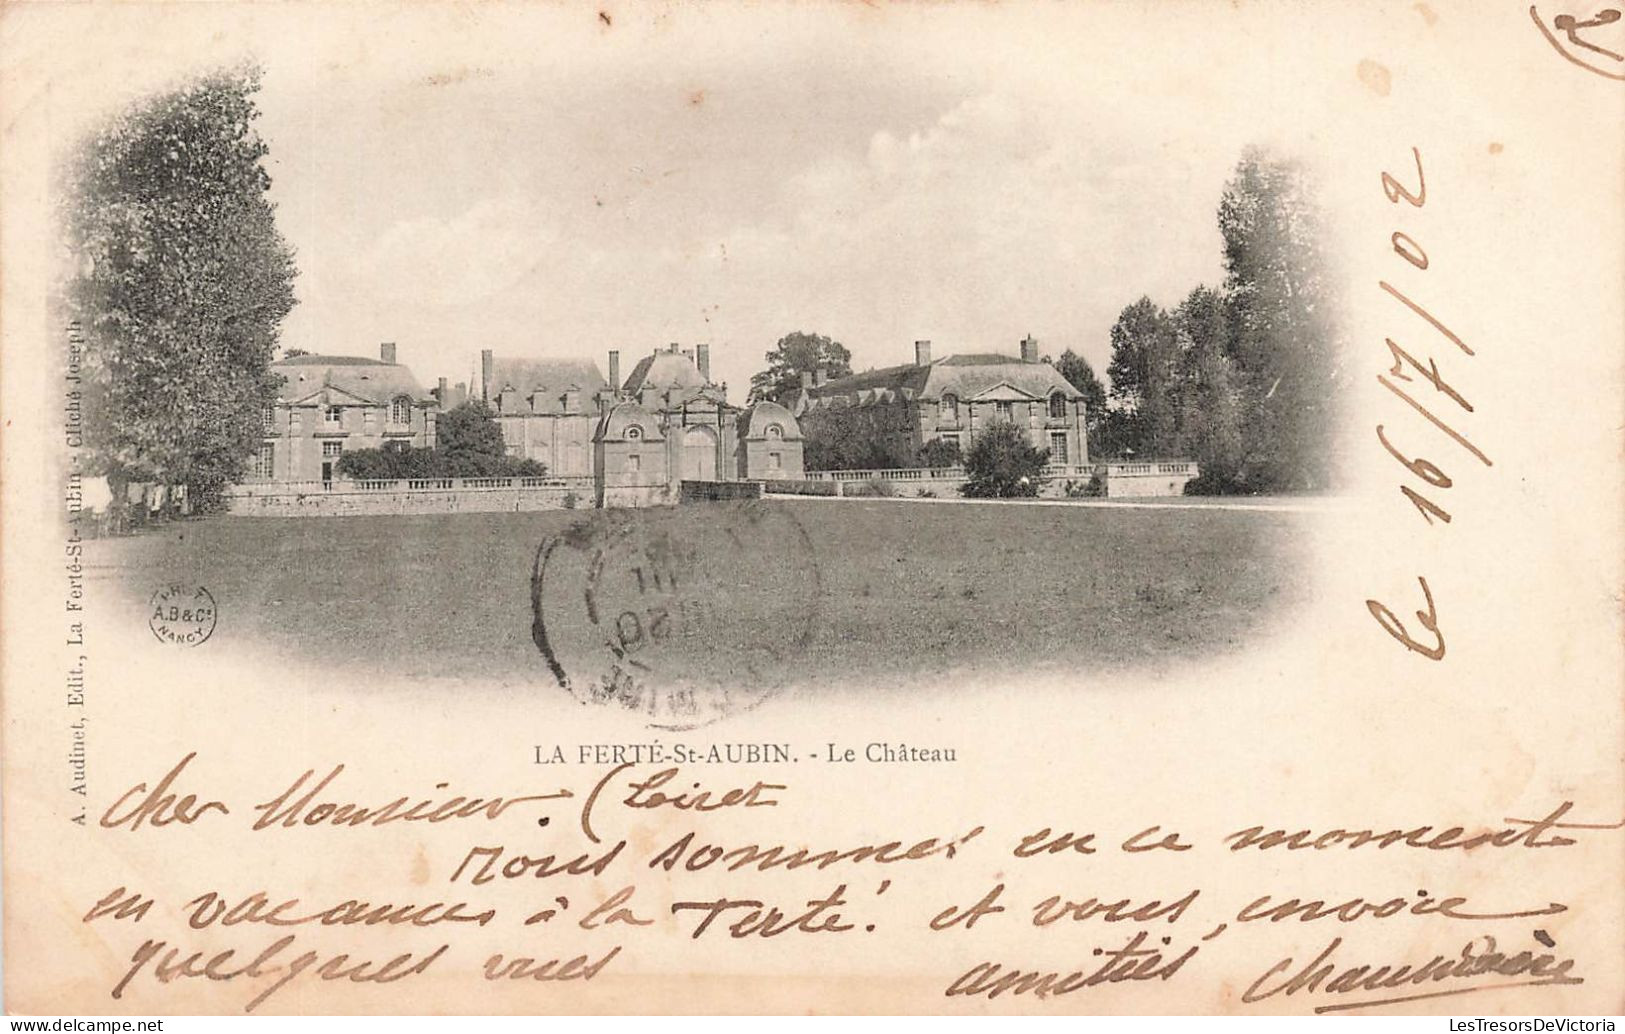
x,y
1375,76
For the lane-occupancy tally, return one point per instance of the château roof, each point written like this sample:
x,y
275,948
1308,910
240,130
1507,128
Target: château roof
x,y
333,377
625,415
529,375
968,376
664,369
754,422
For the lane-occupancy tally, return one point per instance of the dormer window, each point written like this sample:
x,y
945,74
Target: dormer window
x,y
400,410
634,433
1057,406
775,431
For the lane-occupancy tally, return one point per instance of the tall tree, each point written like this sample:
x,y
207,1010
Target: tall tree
x,y
797,353
1210,414
1144,373
178,283
1285,337
1078,373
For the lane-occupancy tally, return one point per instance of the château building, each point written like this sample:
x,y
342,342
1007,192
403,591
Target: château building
x,y
668,422
330,404
892,414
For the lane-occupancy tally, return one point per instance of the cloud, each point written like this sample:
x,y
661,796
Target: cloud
x,y
482,252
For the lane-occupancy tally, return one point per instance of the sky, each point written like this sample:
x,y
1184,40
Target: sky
x,y
577,186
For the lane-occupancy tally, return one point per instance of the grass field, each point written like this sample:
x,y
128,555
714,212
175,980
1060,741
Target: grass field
x,y
906,591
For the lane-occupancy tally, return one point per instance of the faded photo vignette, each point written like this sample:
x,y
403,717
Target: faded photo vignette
x,y
909,510
1179,448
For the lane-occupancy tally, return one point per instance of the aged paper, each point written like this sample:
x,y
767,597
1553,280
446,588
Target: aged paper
x,y
658,706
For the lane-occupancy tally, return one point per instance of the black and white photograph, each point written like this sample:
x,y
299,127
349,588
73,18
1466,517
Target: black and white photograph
x,y
949,369
835,511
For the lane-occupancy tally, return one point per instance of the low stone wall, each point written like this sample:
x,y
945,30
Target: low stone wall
x,y
886,488
635,496
1149,479
824,488
437,495
717,491
937,482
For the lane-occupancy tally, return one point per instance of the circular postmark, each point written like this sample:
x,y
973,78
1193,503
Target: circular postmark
x,y
182,614
684,616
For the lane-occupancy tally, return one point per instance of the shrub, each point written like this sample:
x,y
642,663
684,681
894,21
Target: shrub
x,y
938,453
1003,464
395,463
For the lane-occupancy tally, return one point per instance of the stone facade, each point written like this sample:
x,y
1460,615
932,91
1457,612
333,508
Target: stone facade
x,y
329,405
770,444
548,409
668,422
897,411
634,443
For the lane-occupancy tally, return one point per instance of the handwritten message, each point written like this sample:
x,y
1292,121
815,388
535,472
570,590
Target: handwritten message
x,y
610,888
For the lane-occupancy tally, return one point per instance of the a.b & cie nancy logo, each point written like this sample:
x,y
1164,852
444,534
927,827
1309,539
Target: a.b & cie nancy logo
x,y
182,614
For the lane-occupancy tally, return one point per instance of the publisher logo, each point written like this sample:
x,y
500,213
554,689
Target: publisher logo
x,y
182,614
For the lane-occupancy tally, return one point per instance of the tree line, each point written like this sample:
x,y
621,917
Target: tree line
x,y
1243,378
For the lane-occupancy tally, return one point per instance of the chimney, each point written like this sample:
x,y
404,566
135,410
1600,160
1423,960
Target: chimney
x,y
1029,349
487,373
819,376
386,352
922,353
614,371
702,356
672,348
441,393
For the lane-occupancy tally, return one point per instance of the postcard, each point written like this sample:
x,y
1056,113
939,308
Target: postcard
x,y
544,508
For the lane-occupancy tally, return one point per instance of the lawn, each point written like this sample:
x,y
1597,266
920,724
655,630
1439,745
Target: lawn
x,y
904,592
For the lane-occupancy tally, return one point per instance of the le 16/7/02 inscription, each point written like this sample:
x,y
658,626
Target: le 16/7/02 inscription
x,y
606,889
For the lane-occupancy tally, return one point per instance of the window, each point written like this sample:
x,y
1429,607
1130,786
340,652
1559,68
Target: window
x,y
335,416
634,463
400,411
1057,447
1057,406
265,461
775,460
1004,410
634,433
268,419
950,408
332,450
775,431
369,421
296,421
